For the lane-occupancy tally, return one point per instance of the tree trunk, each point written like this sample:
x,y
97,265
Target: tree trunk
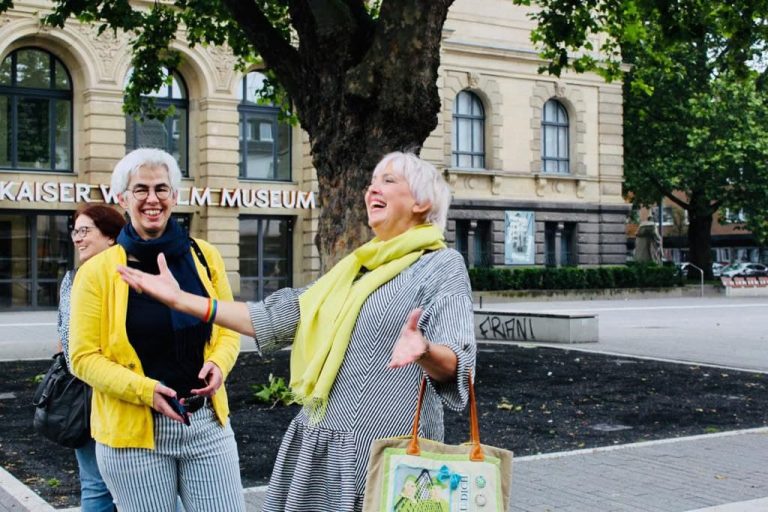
x,y
700,240
357,108
361,86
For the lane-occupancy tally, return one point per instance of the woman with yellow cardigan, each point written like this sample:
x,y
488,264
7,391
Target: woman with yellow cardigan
x,y
398,308
160,415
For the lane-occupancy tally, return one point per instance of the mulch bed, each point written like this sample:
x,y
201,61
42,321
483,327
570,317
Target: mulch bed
x,y
531,400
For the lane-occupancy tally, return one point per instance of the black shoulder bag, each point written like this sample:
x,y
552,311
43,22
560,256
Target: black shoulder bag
x,y
63,406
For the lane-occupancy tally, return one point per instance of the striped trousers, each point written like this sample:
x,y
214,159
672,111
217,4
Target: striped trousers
x,y
199,463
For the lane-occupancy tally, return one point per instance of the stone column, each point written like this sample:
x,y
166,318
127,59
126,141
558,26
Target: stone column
x,y
559,244
471,243
217,167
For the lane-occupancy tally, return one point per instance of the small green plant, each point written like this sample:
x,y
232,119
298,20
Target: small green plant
x,y
37,379
53,482
276,392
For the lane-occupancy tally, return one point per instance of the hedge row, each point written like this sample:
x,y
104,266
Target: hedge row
x,y
574,278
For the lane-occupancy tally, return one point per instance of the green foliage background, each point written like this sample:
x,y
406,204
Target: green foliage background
x,y
695,109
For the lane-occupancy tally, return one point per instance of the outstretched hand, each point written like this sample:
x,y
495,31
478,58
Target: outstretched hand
x,y
412,345
162,287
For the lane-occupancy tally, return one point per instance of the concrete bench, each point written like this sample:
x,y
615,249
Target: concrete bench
x,y
745,286
538,327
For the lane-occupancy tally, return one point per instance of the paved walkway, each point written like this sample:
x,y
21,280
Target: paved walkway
x,y
676,475
724,472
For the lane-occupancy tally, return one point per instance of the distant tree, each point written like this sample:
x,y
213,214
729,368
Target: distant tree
x,y
695,110
360,77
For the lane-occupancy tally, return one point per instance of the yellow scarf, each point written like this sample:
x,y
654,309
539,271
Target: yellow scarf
x,y
330,307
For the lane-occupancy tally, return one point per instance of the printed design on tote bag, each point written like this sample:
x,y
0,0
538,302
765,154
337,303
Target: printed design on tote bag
x,y
417,486
420,492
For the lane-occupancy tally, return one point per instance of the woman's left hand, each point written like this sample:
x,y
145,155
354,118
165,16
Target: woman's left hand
x,y
438,361
412,345
212,376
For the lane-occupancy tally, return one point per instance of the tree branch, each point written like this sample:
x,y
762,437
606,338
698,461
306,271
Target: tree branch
x,y
679,202
277,52
401,23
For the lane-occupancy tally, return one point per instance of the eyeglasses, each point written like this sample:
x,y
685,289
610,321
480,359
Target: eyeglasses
x,y
162,192
81,232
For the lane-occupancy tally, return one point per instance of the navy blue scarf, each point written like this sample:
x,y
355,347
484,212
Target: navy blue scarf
x,y
189,331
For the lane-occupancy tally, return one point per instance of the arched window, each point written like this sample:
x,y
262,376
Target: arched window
x,y
554,138
265,142
171,134
35,112
468,131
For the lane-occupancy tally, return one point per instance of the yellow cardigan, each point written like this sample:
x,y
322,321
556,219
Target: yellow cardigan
x,y
102,356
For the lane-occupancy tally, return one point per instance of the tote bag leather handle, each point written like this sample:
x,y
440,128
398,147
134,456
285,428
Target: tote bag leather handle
x,y
476,451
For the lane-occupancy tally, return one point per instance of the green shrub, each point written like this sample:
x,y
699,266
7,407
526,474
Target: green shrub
x,y
574,278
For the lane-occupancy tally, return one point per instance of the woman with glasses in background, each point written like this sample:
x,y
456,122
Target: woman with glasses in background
x,y
160,413
96,228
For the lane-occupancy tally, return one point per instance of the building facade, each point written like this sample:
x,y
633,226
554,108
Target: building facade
x,y
731,241
535,163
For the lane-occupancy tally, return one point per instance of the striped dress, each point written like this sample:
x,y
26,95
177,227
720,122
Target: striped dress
x,y
323,467
62,321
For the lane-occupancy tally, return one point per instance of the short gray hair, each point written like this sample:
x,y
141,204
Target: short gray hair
x,y
426,183
138,158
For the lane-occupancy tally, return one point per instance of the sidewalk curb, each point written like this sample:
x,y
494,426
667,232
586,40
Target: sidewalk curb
x,y
590,348
641,444
22,497
760,505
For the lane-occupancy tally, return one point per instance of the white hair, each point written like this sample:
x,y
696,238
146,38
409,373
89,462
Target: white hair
x,y
426,183
144,157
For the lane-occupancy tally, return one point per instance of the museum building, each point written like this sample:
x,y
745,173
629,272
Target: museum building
x,y
534,162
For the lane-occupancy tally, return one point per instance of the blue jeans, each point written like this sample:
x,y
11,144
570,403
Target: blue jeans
x,y
94,495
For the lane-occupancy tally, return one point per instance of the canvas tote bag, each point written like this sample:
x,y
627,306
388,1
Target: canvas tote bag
x,y
412,474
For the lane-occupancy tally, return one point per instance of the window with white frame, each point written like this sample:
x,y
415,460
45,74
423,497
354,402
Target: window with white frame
x,y
170,134
265,255
35,112
265,141
554,138
734,216
468,131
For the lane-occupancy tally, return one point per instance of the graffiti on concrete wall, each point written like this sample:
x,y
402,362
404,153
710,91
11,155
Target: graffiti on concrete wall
x,y
507,328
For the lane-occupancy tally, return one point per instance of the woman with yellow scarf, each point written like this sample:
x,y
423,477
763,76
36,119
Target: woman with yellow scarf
x,y
363,335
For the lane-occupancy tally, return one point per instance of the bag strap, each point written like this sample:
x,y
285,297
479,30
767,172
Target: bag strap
x,y
200,256
476,451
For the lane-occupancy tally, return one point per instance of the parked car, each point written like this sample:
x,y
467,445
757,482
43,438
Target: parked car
x,y
745,269
685,266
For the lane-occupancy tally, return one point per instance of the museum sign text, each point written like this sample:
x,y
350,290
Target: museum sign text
x,y
51,192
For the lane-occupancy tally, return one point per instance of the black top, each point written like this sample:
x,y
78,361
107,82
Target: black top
x,y
148,324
